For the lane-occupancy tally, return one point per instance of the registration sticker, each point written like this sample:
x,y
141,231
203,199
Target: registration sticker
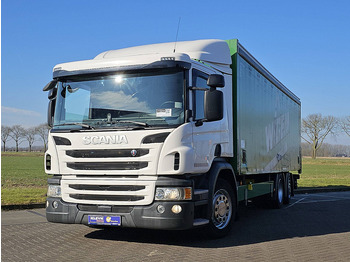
x,y
163,112
104,220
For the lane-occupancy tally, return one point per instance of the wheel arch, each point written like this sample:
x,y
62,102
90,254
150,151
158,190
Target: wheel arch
x,y
220,168
221,176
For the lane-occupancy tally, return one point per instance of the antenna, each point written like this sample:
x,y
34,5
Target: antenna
x,y
177,33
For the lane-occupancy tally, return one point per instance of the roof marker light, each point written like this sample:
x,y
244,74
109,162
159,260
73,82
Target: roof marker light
x,y
167,58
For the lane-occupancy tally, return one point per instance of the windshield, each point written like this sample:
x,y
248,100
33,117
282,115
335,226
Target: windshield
x,y
121,100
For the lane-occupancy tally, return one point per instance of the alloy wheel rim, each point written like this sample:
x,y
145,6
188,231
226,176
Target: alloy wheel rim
x,y
222,209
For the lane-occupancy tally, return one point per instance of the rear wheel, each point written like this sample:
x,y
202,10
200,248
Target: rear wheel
x,y
278,194
222,209
288,189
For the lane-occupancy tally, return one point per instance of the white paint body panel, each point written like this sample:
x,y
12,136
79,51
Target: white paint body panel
x,y
195,145
212,51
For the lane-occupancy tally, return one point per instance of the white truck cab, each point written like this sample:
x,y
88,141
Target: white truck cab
x,y
145,137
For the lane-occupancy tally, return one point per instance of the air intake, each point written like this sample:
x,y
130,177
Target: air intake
x,y
107,165
176,161
48,162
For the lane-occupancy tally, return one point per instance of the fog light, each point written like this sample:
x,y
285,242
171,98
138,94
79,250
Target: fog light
x,y
176,209
47,204
55,204
160,209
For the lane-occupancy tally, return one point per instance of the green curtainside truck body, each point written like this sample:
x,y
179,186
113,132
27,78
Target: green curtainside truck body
x,y
266,118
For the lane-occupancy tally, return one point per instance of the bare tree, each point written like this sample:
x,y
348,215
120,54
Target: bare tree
x,y
316,128
17,134
29,135
43,131
5,135
345,125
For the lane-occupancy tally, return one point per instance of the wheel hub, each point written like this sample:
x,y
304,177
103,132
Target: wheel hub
x,y
221,208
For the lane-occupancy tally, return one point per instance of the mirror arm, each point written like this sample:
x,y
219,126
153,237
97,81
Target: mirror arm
x,y
198,88
200,122
188,115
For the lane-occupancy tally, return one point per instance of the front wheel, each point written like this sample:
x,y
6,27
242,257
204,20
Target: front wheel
x,y
222,209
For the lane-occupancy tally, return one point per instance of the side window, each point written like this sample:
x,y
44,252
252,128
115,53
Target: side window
x,y
200,84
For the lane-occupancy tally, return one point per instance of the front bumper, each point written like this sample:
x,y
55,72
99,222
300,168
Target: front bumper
x,y
136,216
142,216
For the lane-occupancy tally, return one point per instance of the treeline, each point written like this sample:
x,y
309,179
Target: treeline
x,y
315,128
20,134
327,150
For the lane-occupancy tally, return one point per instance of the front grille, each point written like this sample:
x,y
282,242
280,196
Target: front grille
x,y
107,176
107,165
106,197
108,192
107,187
107,153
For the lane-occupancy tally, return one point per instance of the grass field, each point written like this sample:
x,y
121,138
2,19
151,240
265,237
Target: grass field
x,y
23,180
325,172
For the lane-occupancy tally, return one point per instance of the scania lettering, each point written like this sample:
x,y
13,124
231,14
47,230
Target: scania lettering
x,y
152,137
96,140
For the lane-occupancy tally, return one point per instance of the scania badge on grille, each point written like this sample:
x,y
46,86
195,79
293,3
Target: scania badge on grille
x,y
97,140
133,152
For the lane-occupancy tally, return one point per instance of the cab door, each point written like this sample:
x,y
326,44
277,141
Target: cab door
x,y
206,135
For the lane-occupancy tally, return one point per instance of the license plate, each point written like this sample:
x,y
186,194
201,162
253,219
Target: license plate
x,y
104,220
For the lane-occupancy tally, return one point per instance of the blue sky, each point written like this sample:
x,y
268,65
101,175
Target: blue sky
x,y
305,44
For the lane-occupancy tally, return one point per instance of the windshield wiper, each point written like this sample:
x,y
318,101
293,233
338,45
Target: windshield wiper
x,y
77,124
134,122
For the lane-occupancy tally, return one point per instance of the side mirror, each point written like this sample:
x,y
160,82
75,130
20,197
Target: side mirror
x,y
216,80
52,103
51,112
213,105
52,94
50,85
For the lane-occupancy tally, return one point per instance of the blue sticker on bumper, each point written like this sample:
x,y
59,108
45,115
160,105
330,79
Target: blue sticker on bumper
x,y
104,220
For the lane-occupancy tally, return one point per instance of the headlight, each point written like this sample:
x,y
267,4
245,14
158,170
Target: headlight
x,y
54,191
173,193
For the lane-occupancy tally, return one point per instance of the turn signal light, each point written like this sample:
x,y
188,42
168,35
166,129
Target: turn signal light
x,y
188,193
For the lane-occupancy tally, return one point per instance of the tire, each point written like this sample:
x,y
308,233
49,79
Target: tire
x,y
278,194
222,210
288,189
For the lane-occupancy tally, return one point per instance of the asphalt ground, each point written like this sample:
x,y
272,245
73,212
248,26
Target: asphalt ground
x,y
314,227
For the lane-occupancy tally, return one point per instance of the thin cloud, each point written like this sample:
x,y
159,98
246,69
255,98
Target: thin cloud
x,y
16,116
12,110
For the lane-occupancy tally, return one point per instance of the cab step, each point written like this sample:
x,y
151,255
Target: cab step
x,y
201,197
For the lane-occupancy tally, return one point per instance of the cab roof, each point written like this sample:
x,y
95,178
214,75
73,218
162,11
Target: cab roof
x,y
210,50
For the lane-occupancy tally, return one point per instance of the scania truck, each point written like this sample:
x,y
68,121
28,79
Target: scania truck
x,y
169,136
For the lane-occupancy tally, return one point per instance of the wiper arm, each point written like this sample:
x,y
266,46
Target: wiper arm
x,y
134,122
77,124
